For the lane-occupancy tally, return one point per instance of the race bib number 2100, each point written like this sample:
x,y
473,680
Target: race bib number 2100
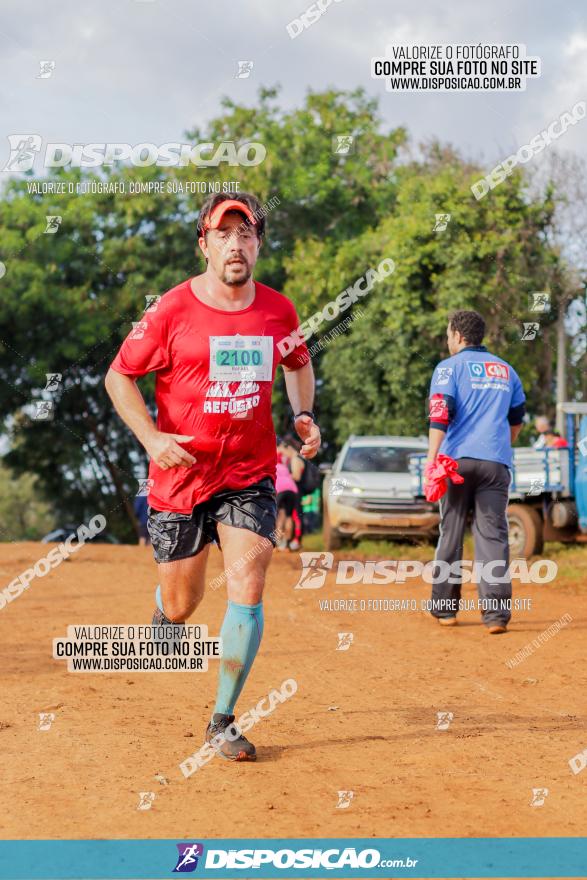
x,y
233,358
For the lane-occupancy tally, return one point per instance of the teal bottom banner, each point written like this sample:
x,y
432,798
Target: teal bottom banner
x,y
384,858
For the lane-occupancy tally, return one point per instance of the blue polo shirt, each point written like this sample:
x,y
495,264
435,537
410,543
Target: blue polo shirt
x,y
475,397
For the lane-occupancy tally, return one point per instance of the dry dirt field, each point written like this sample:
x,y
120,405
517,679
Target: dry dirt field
x,y
363,719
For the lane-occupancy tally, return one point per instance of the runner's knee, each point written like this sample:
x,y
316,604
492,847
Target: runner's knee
x,y
246,587
178,608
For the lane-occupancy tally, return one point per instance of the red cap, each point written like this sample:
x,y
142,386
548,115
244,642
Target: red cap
x,y
215,218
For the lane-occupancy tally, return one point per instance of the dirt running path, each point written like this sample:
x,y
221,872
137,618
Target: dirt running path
x,y
363,720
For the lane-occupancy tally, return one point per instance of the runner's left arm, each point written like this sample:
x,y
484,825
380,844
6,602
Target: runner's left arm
x,y
299,383
300,391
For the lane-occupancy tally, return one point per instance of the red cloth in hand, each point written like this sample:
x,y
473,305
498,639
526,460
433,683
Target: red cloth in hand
x,y
437,473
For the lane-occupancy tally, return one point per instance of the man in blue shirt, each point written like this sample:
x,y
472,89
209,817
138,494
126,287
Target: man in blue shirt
x,y
476,409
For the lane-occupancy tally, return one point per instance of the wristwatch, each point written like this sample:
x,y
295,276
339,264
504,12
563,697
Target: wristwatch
x,y
304,412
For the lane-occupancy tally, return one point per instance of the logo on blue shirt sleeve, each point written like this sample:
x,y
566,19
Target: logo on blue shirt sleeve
x,y
443,375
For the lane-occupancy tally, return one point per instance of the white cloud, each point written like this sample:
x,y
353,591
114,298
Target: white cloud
x,y
147,71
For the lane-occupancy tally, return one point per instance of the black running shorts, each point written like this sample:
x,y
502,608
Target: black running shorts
x,y
181,535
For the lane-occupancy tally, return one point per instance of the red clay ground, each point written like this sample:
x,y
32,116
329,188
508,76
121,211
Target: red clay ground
x,y
513,729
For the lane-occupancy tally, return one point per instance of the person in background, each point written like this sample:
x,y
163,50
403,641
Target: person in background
x,y
552,440
543,427
287,492
141,508
477,407
311,511
290,450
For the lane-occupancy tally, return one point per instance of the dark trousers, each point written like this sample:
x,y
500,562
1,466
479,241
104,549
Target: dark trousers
x,y
485,494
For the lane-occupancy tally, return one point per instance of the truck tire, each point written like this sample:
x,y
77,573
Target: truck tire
x,y
525,531
330,537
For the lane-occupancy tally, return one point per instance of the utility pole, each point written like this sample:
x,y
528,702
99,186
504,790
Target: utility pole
x,y
561,363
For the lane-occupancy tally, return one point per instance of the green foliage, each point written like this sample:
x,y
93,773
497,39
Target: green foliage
x,y
68,299
492,255
24,515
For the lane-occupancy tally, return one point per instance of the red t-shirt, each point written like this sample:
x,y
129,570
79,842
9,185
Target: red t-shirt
x,y
215,372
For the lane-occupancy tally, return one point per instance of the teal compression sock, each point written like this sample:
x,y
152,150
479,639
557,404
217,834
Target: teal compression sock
x,y
241,634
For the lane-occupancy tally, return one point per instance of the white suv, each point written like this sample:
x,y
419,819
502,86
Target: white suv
x,y
367,492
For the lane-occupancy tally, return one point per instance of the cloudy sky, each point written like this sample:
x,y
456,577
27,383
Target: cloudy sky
x,y
146,70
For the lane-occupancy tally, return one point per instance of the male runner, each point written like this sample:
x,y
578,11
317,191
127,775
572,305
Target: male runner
x,y
212,342
477,407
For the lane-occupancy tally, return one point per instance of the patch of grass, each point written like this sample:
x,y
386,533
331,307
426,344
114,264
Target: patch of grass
x,y
571,559
375,549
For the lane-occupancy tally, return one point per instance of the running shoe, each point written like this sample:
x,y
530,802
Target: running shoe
x,y
227,739
497,629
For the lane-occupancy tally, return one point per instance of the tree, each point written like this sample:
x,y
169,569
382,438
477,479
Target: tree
x,y
491,256
563,177
69,298
24,515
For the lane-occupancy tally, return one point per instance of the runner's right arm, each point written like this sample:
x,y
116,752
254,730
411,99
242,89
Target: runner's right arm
x,y
128,402
146,349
